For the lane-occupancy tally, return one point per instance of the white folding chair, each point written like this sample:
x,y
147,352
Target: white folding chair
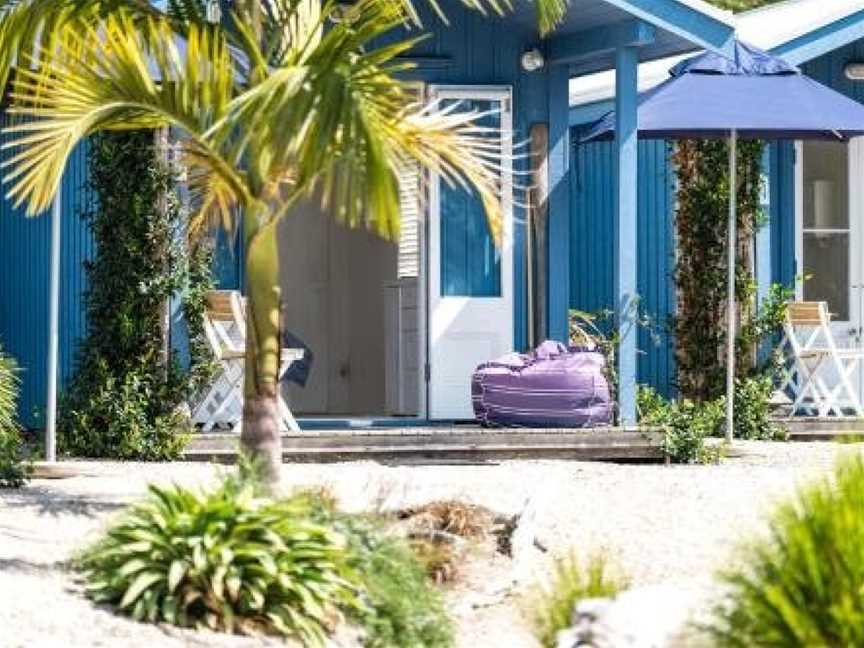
x,y
811,353
225,327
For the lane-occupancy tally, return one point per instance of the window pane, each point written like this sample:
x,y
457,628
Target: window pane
x,y
826,185
826,271
470,261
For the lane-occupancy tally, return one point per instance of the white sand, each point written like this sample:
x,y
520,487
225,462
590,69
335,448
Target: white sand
x,y
666,525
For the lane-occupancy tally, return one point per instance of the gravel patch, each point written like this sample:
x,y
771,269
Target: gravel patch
x,y
665,525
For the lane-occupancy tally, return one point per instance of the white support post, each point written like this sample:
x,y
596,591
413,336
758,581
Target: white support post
x,y
53,332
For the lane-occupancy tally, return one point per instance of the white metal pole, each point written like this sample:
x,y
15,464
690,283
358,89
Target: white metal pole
x,y
730,298
53,333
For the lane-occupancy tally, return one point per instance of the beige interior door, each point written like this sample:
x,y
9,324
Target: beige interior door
x,y
333,280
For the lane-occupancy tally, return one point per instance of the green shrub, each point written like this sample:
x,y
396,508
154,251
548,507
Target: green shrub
x,y
551,606
13,468
753,409
123,417
802,584
226,560
236,561
687,426
123,400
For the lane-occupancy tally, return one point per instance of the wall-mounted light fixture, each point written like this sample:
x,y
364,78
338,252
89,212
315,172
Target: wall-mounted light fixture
x,y
533,60
854,71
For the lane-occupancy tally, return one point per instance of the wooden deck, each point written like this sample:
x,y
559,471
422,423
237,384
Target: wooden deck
x,y
836,428
462,444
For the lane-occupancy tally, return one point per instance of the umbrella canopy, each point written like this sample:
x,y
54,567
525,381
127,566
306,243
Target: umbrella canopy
x,y
753,95
757,94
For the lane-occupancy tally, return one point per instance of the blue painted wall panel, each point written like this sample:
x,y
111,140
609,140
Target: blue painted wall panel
x,y
782,213
24,267
592,247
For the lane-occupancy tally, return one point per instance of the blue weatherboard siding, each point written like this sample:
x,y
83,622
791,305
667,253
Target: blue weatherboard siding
x,y
24,265
470,262
782,213
592,248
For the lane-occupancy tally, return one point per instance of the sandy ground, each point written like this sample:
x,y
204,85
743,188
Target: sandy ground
x,y
666,525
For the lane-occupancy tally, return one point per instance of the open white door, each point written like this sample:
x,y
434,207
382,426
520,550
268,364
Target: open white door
x,y
470,280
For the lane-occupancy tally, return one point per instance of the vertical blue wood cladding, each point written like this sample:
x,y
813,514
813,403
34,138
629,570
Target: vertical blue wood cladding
x,y
24,265
470,263
592,210
782,213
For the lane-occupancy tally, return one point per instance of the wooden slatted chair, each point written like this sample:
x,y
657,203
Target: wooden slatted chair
x,y
812,352
225,327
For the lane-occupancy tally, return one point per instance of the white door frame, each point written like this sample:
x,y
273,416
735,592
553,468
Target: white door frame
x,y
503,94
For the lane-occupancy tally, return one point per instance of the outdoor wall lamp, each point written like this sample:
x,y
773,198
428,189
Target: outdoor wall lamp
x,y
533,60
854,71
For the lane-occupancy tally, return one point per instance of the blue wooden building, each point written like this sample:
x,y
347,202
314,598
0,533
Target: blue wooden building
x,y
443,298
812,189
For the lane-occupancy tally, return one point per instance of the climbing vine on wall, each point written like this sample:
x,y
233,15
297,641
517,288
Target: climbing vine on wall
x,y
700,273
125,398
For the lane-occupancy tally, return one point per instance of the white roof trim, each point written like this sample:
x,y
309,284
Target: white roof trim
x,y
702,6
766,27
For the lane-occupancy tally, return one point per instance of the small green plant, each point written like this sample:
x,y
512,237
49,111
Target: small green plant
x,y
123,416
551,606
236,560
226,560
13,467
753,409
596,331
801,585
687,426
402,609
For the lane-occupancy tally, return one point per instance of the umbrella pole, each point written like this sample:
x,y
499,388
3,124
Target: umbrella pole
x,y
730,298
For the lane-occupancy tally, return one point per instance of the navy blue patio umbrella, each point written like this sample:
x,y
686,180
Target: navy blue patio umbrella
x,y
753,95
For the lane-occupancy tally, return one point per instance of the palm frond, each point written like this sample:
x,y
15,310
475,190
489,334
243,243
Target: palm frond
x,y
341,117
105,77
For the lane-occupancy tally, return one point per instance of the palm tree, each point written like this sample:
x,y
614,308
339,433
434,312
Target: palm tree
x,y
272,109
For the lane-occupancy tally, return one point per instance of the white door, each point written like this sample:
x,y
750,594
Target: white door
x,y
470,279
830,233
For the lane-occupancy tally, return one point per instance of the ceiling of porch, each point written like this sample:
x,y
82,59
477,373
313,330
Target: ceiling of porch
x,y
592,16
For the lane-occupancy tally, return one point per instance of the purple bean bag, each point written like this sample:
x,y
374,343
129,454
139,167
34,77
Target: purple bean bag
x,y
552,386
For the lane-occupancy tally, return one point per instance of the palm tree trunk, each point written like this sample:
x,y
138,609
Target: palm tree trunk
x,y
261,436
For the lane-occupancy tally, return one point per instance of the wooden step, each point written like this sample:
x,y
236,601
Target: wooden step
x,y
823,429
446,444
